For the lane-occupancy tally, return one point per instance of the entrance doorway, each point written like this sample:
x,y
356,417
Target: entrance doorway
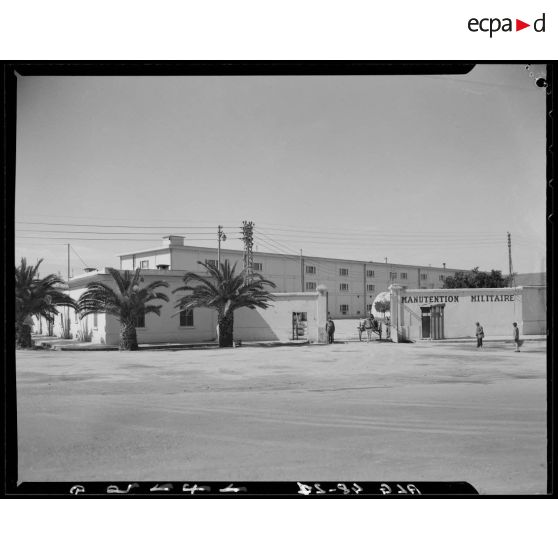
x,y
300,326
432,321
425,322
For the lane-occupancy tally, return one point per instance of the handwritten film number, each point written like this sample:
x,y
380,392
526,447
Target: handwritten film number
x,y
384,489
307,489
411,489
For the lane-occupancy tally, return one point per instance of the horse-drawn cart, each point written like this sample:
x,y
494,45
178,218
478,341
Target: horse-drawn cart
x,y
369,326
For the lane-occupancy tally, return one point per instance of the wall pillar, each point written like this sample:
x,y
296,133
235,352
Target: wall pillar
x,y
397,314
321,313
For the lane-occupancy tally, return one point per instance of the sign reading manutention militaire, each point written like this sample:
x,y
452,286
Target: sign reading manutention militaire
x,y
433,299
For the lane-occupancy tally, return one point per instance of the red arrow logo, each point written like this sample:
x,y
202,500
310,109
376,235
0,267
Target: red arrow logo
x,y
519,25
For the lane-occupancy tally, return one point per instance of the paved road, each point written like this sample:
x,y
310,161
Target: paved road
x,y
355,411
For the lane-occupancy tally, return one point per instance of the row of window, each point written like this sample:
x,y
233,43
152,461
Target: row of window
x,y
311,286
186,319
257,266
311,270
345,287
144,264
344,272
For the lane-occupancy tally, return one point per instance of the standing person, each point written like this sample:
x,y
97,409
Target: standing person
x,y
360,328
368,328
330,330
516,337
480,335
388,327
376,327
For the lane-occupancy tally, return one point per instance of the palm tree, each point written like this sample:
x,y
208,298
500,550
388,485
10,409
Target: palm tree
x,y
224,291
128,302
36,297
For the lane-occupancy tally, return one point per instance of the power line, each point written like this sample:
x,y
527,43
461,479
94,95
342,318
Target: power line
x,y
389,241
277,245
321,266
108,239
109,232
395,241
281,228
73,249
123,219
360,230
371,237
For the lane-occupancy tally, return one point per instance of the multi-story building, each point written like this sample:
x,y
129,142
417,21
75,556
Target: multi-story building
x,y
352,285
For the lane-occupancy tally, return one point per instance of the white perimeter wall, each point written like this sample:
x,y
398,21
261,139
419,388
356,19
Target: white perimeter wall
x,y
494,309
276,322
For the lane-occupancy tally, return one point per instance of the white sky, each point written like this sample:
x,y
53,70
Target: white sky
x,y
418,169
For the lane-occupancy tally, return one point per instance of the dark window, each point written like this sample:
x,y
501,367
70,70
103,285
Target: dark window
x,y
369,273
258,266
187,318
311,269
140,321
144,264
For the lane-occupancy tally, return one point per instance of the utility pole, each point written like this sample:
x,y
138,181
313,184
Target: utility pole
x,y
67,324
364,289
248,239
512,280
221,236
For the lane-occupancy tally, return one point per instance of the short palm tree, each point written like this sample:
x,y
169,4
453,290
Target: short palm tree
x,y
224,291
128,302
36,297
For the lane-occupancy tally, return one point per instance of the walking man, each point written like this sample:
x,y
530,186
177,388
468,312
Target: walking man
x,y
516,337
480,335
330,330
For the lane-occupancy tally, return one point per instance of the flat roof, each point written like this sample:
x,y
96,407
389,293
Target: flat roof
x,y
297,256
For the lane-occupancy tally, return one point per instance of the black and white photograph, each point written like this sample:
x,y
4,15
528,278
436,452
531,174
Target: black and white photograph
x,y
234,280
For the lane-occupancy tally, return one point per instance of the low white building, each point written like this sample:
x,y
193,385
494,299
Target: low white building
x,y
452,313
292,316
352,285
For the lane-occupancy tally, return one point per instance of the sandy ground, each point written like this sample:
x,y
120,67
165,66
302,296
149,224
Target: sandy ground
x,y
350,411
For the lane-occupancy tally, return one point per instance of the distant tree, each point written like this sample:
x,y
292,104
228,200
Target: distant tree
x,y
476,279
128,302
382,306
36,297
224,291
